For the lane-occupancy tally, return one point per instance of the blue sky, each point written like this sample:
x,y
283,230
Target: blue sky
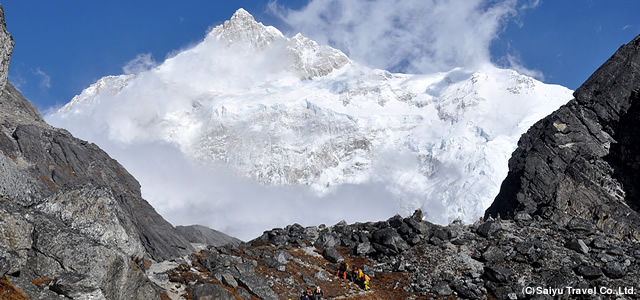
x,y
64,46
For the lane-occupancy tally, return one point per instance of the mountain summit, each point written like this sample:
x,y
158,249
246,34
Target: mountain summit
x,y
306,122
243,27
301,55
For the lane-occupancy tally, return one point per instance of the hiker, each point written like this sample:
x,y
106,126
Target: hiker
x,y
365,281
318,293
359,278
354,274
306,295
342,270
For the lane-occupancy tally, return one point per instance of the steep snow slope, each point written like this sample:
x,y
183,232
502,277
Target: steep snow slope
x,y
288,112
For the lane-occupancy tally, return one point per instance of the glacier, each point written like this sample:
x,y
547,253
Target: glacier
x,y
270,126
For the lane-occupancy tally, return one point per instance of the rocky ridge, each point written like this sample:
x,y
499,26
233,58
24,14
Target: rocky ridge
x,y
73,224
582,162
408,258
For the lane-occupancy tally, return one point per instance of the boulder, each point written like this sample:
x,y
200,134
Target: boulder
x,y
321,276
254,283
497,273
390,239
577,245
364,248
493,253
614,270
489,228
228,280
442,288
588,271
210,291
310,234
326,239
282,257
332,255
395,221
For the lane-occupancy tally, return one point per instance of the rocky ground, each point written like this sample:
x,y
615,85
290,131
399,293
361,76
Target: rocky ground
x,y
412,259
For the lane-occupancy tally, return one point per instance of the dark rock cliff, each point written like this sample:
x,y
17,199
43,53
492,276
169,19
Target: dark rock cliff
x,y
72,220
582,163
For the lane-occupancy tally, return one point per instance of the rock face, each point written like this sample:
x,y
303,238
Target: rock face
x,y
6,46
72,220
581,164
205,235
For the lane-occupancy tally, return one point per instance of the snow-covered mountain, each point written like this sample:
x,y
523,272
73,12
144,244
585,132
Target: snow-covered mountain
x,y
289,112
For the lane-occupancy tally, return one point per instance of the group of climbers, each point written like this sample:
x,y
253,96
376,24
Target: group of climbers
x,y
317,294
357,276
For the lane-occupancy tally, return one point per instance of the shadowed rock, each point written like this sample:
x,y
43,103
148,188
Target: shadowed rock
x,y
70,215
583,161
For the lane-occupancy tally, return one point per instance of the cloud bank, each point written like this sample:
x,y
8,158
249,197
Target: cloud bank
x,y
409,36
185,192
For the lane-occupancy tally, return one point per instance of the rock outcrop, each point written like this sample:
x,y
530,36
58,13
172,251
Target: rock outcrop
x,y
582,163
72,220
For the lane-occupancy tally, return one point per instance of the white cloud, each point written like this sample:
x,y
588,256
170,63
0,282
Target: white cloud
x,y
409,35
530,4
142,62
184,192
414,36
514,62
45,80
